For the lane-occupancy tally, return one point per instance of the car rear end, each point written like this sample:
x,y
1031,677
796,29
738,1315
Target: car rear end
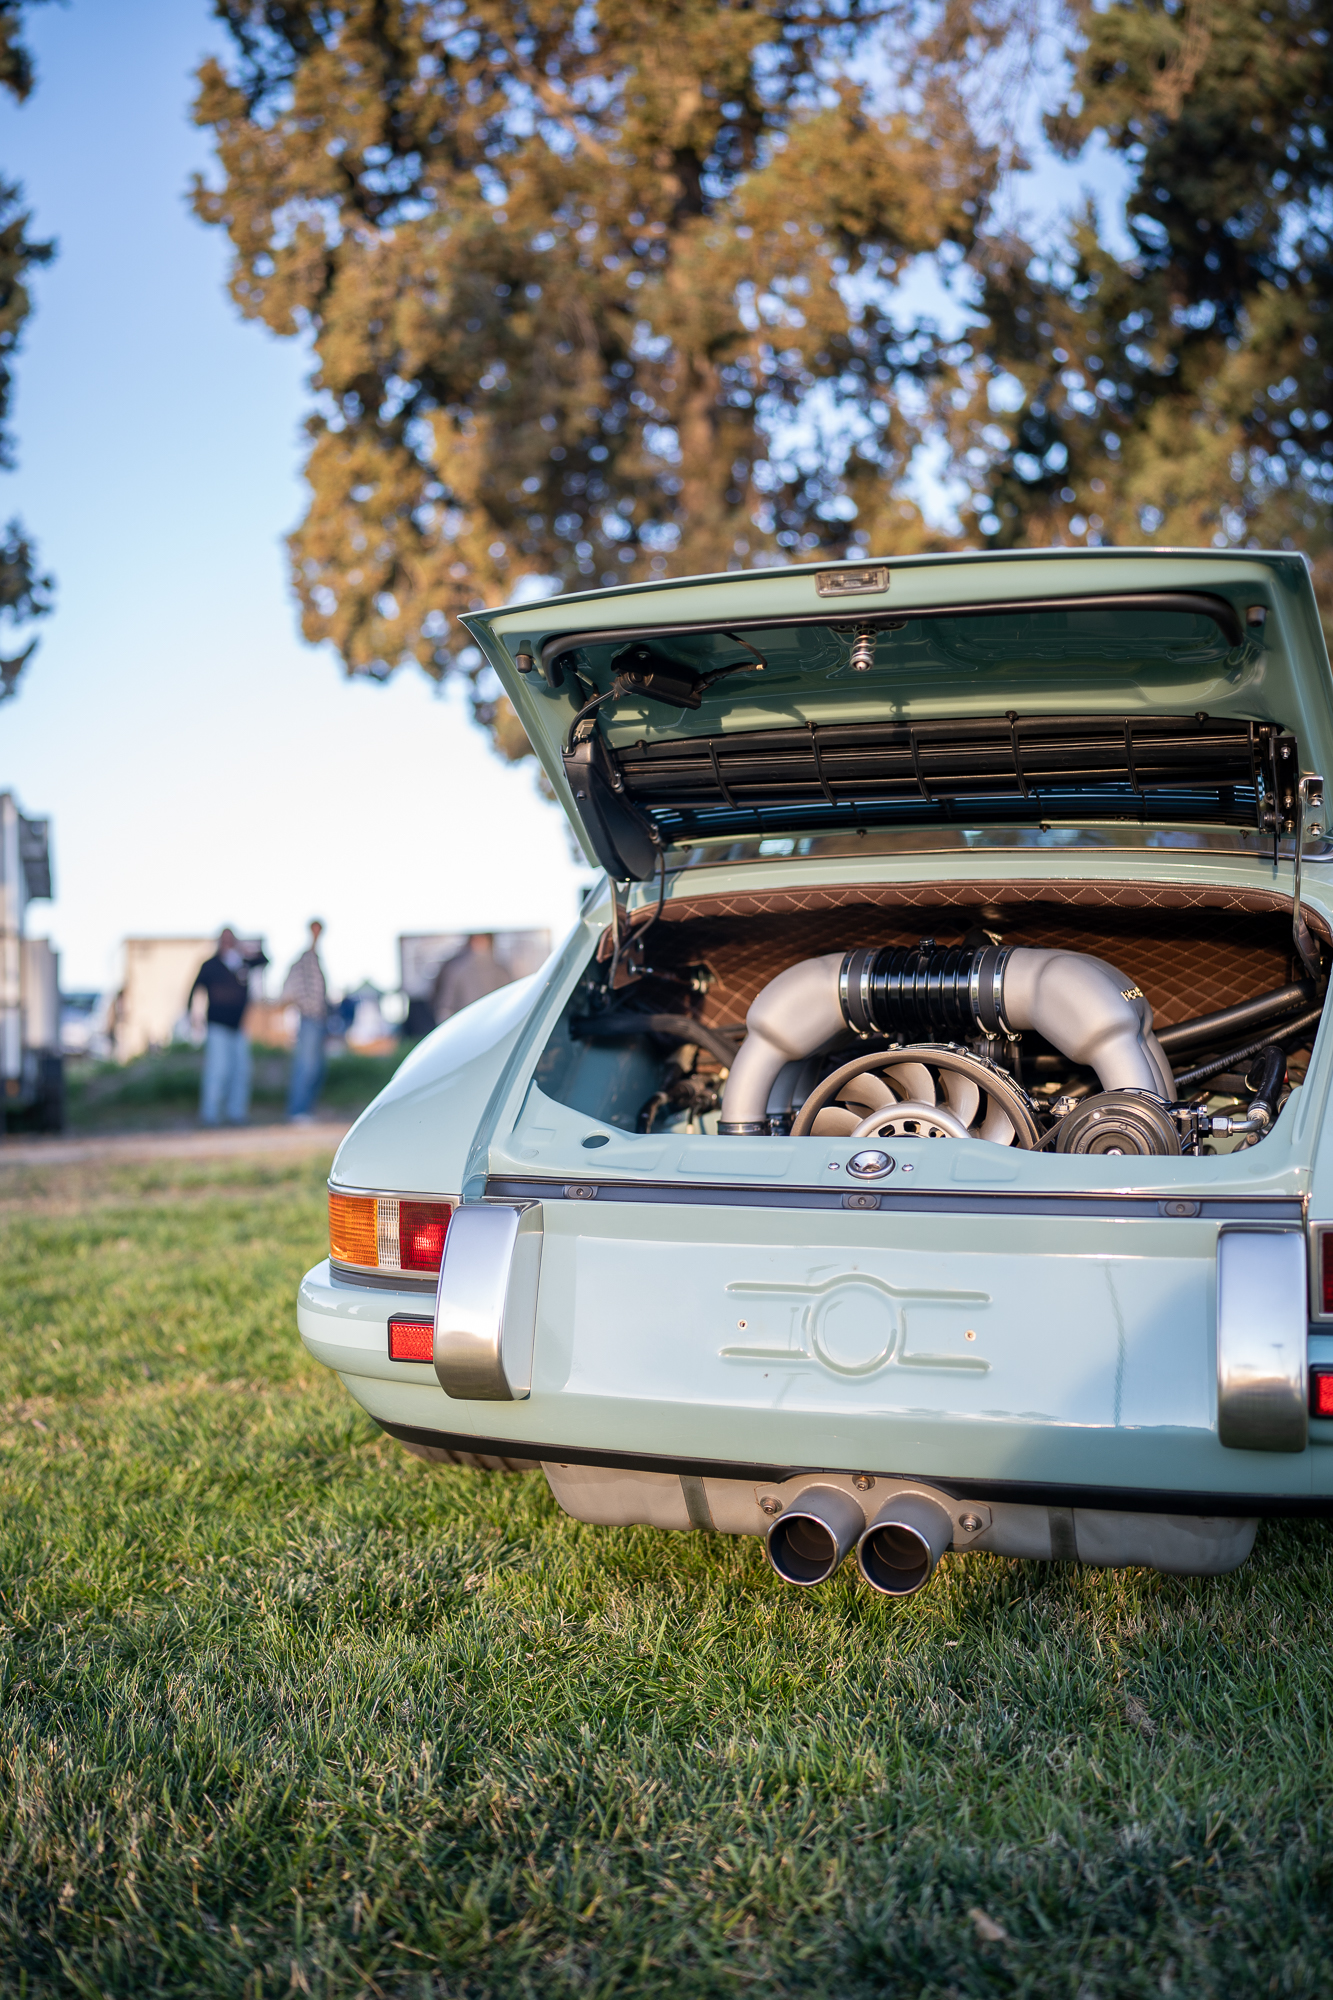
x,y
1098,1329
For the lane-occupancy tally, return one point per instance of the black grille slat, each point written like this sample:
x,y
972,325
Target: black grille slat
x,y
1168,766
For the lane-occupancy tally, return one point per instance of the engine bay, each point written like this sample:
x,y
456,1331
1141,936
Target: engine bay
x,y
1073,1018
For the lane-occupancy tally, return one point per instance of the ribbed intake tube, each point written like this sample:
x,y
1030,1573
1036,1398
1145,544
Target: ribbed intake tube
x,y
1082,1006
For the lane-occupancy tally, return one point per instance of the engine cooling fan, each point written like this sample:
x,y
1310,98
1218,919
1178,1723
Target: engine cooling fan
x,y
922,1091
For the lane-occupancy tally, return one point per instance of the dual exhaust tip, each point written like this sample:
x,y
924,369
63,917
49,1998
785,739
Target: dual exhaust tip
x,y
896,1553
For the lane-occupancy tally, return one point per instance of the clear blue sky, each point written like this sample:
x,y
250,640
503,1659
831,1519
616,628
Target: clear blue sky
x,y
200,764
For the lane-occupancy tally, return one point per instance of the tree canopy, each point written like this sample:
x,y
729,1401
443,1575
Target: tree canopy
x,y
600,291
1182,394
567,271
25,593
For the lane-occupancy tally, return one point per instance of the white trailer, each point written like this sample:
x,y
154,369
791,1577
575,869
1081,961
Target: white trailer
x,y
422,953
32,1073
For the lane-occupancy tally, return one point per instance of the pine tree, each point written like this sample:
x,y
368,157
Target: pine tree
x,y
1182,395
570,273
25,593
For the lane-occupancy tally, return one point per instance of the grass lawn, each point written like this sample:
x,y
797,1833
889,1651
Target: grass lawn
x,y
161,1089
283,1710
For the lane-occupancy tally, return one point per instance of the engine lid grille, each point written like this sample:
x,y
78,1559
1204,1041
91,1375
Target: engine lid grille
x,y
1009,767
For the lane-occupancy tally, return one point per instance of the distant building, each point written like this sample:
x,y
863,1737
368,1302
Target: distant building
x,y
369,1032
85,1025
271,1023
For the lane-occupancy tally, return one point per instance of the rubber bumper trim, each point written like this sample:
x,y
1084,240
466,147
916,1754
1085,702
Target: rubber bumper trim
x,y
1122,1499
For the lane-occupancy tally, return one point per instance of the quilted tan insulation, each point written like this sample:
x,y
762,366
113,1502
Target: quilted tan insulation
x,y
1192,950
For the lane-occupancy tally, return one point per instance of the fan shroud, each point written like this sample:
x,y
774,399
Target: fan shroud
x,y
921,1090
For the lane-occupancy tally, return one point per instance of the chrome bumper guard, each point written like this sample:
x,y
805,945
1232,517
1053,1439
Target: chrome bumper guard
x,y
486,1302
1262,1365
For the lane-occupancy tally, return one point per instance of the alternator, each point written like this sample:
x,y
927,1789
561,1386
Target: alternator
x,y
1119,1121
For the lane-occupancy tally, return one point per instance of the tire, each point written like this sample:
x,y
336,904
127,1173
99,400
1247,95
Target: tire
x,y
44,1111
50,1106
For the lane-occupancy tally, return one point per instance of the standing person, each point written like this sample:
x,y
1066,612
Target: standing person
x,y
306,989
225,978
466,977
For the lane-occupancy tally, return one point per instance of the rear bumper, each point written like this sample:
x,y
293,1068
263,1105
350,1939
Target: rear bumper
x,y
677,1413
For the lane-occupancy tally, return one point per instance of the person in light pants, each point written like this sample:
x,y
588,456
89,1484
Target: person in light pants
x,y
225,978
306,989
226,1084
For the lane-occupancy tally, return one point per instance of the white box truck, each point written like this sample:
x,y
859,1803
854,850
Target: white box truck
x,y
32,1075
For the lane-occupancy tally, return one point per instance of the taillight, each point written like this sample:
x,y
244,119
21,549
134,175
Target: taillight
x,y
1321,1392
352,1229
1326,1270
411,1339
421,1228
384,1232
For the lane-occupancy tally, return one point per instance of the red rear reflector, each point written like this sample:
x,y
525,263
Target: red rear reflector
x,y
411,1340
1321,1392
1326,1270
422,1226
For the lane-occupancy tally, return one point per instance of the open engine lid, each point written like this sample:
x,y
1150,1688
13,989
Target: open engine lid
x,y
1160,686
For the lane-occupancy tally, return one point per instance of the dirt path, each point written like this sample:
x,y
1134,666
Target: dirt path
x,y
250,1141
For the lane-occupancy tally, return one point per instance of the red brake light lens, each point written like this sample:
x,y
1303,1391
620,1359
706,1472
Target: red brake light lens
x,y
422,1227
1321,1392
411,1340
1326,1270
386,1232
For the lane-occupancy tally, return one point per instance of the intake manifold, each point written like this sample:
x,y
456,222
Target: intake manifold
x,y
1082,1006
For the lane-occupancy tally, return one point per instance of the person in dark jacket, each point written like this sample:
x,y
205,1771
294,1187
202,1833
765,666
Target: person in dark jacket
x,y
225,978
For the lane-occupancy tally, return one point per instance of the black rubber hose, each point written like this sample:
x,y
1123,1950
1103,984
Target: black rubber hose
x,y
1272,1076
1235,1020
679,1028
1186,1079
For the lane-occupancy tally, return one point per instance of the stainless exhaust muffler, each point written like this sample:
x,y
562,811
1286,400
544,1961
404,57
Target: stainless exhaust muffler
x,y
898,1552
810,1538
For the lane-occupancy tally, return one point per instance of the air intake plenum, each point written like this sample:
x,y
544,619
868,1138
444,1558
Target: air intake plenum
x,y
1081,1005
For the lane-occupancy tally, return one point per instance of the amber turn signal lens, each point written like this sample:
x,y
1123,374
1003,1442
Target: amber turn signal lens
x,y
386,1232
1321,1392
352,1229
422,1226
411,1340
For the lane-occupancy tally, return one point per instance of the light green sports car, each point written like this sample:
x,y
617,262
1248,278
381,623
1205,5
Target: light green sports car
x,y
916,1144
